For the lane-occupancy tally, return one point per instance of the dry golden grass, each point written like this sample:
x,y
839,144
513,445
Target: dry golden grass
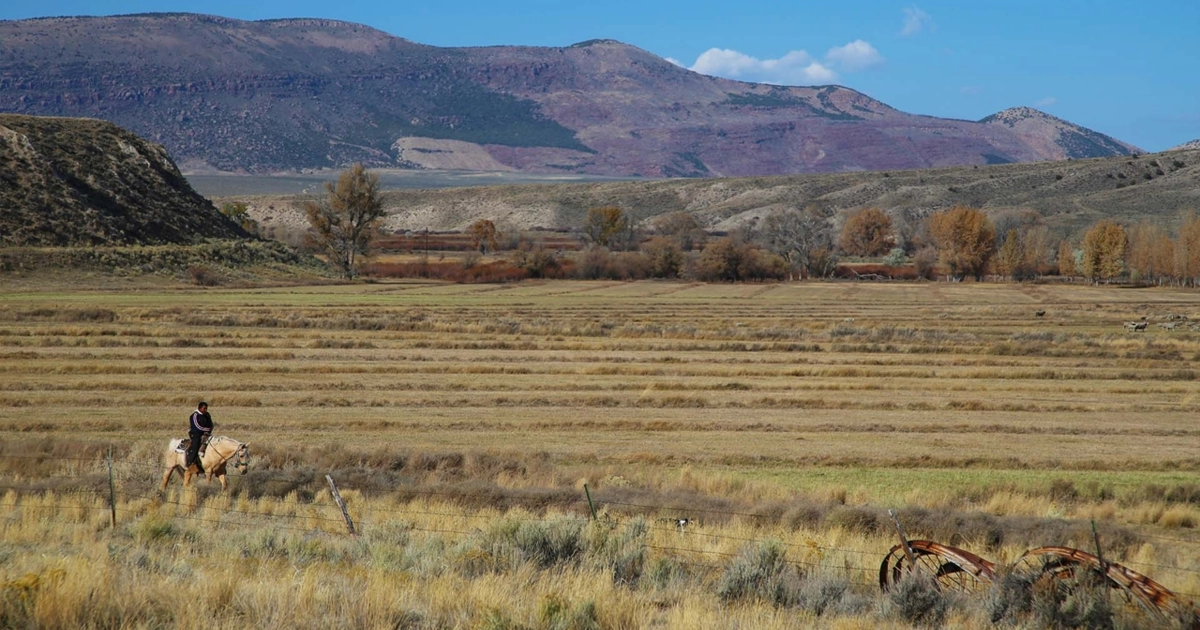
x,y
795,413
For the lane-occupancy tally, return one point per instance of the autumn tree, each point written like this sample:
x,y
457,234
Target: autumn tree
x,y
1066,260
665,257
483,235
867,233
1010,259
1104,251
1187,250
1146,258
794,235
609,227
682,227
965,240
345,223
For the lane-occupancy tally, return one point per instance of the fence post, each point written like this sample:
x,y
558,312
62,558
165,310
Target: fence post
x,y
912,560
591,505
1099,553
112,490
341,504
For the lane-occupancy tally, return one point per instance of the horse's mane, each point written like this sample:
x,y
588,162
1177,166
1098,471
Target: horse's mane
x,y
222,438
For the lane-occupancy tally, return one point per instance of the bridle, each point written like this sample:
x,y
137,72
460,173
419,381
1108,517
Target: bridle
x,y
243,459
242,464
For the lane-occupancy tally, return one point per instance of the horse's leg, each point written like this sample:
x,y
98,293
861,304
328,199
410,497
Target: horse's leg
x,y
188,473
167,476
224,484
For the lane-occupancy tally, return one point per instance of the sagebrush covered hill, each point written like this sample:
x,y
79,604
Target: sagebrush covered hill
x,y
82,182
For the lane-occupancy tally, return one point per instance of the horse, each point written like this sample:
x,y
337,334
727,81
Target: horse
x,y
220,451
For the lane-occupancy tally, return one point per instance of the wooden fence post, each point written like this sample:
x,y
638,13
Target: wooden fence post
x,y
112,490
341,504
1099,553
912,560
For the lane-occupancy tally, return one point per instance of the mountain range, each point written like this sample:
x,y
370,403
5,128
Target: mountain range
x,y
225,95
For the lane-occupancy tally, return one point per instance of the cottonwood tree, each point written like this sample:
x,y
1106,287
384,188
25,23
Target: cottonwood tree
x,y
665,256
1066,260
794,235
1104,251
609,227
681,227
483,235
1151,252
1010,259
965,239
346,223
1187,251
867,233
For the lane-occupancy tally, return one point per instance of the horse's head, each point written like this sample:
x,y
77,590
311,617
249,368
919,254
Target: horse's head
x,y
242,458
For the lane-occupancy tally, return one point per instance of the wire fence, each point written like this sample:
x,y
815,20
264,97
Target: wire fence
x,y
97,491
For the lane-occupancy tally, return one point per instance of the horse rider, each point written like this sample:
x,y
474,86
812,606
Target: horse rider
x,y
200,427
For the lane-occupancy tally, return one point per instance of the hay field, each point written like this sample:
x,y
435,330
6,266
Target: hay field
x,y
794,413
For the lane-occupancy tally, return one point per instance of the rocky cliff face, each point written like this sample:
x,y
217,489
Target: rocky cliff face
x,y
79,182
295,94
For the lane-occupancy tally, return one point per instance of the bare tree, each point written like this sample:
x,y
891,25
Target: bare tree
x,y
794,234
345,224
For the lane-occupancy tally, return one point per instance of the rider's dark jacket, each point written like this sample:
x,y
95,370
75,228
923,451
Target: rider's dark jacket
x,y
200,422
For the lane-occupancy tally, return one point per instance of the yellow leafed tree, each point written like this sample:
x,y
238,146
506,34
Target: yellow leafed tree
x,y
965,239
1104,249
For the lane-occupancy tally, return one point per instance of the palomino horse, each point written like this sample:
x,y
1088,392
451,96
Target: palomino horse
x,y
220,451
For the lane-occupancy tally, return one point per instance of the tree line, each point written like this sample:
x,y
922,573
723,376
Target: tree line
x,y
793,243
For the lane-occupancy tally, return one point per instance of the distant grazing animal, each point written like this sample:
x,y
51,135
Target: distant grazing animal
x,y
221,450
1039,313
1136,325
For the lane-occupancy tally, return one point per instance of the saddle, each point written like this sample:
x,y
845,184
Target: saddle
x,y
187,441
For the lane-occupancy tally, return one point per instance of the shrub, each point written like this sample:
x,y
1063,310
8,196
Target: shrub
x,y
1081,602
203,276
623,552
761,572
917,600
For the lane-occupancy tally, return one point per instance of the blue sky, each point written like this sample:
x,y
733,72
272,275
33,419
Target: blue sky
x,y
1127,69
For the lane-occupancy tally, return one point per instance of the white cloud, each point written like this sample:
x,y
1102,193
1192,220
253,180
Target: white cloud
x,y
1046,102
916,20
674,61
796,67
855,56
970,90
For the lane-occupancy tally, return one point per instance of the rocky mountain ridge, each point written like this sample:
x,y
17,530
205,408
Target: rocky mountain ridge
x,y
293,94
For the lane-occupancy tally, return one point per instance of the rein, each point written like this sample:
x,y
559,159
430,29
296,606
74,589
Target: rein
x,y
241,452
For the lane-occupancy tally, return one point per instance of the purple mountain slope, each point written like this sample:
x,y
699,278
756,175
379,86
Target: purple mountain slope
x,y
276,95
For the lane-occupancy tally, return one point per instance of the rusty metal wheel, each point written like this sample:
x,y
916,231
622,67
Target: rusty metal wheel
x,y
1066,564
950,567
